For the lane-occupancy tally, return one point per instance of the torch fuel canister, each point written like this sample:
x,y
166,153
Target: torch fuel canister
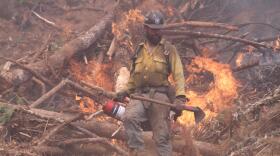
x,y
114,109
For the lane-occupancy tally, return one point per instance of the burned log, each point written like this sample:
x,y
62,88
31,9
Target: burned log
x,y
64,119
77,86
106,129
199,24
17,76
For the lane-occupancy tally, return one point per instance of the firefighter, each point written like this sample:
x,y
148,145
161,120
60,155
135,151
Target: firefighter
x,y
153,62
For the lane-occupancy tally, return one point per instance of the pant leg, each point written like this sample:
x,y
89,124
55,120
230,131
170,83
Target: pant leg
x,y
158,117
135,113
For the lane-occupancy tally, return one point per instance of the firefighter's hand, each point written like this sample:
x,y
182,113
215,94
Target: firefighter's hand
x,y
120,96
179,103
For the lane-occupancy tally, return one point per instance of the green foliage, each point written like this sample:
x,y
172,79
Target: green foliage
x,y
5,114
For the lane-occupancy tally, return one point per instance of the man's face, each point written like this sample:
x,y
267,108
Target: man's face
x,y
152,35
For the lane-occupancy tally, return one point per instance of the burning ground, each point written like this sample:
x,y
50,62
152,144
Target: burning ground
x,y
55,54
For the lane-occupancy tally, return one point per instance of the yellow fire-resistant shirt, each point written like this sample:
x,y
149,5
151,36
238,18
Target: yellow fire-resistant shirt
x,y
151,69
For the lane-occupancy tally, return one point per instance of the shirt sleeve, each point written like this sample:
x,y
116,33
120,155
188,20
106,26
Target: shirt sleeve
x,y
177,72
130,86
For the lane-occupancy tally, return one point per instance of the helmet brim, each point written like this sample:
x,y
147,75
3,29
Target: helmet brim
x,y
154,26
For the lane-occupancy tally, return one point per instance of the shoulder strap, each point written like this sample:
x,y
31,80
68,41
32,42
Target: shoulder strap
x,y
166,53
134,57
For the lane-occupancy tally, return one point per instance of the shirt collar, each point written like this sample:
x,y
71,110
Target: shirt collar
x,y
162,42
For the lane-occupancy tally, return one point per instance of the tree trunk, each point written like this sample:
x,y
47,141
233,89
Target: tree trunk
x,y
106,129
16,76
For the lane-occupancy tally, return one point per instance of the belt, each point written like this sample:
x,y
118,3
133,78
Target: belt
x,y
161,89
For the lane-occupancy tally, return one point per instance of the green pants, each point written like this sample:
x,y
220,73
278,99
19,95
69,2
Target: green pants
x,y
157,115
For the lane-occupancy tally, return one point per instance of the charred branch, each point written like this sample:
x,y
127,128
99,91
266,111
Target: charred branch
x,y
81,140
258,23
56,129
65,82
48,150
267,39
42,85
106,129
225,37
27,69
65,119
269,100
49,94
199,24
247,66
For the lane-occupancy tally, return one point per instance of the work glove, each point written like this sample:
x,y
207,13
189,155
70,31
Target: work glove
x,y
179,102
120,96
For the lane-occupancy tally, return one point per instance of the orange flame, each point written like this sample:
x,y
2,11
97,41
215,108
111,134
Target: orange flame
x,y
223,90
170,11
93,73
86,104
277,44
250,49
124,29
120,28
239,59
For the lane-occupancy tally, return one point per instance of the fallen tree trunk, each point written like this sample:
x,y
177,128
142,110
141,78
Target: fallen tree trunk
x,y
64,119
76,86
106,129
17,76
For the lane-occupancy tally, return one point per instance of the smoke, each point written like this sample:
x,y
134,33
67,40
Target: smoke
x,y
263,13
238,12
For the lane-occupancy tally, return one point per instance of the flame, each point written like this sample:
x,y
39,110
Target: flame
x,y
170,11
250,49
277,44
87,105
93,73
239,59
222,91
122,27
126,28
